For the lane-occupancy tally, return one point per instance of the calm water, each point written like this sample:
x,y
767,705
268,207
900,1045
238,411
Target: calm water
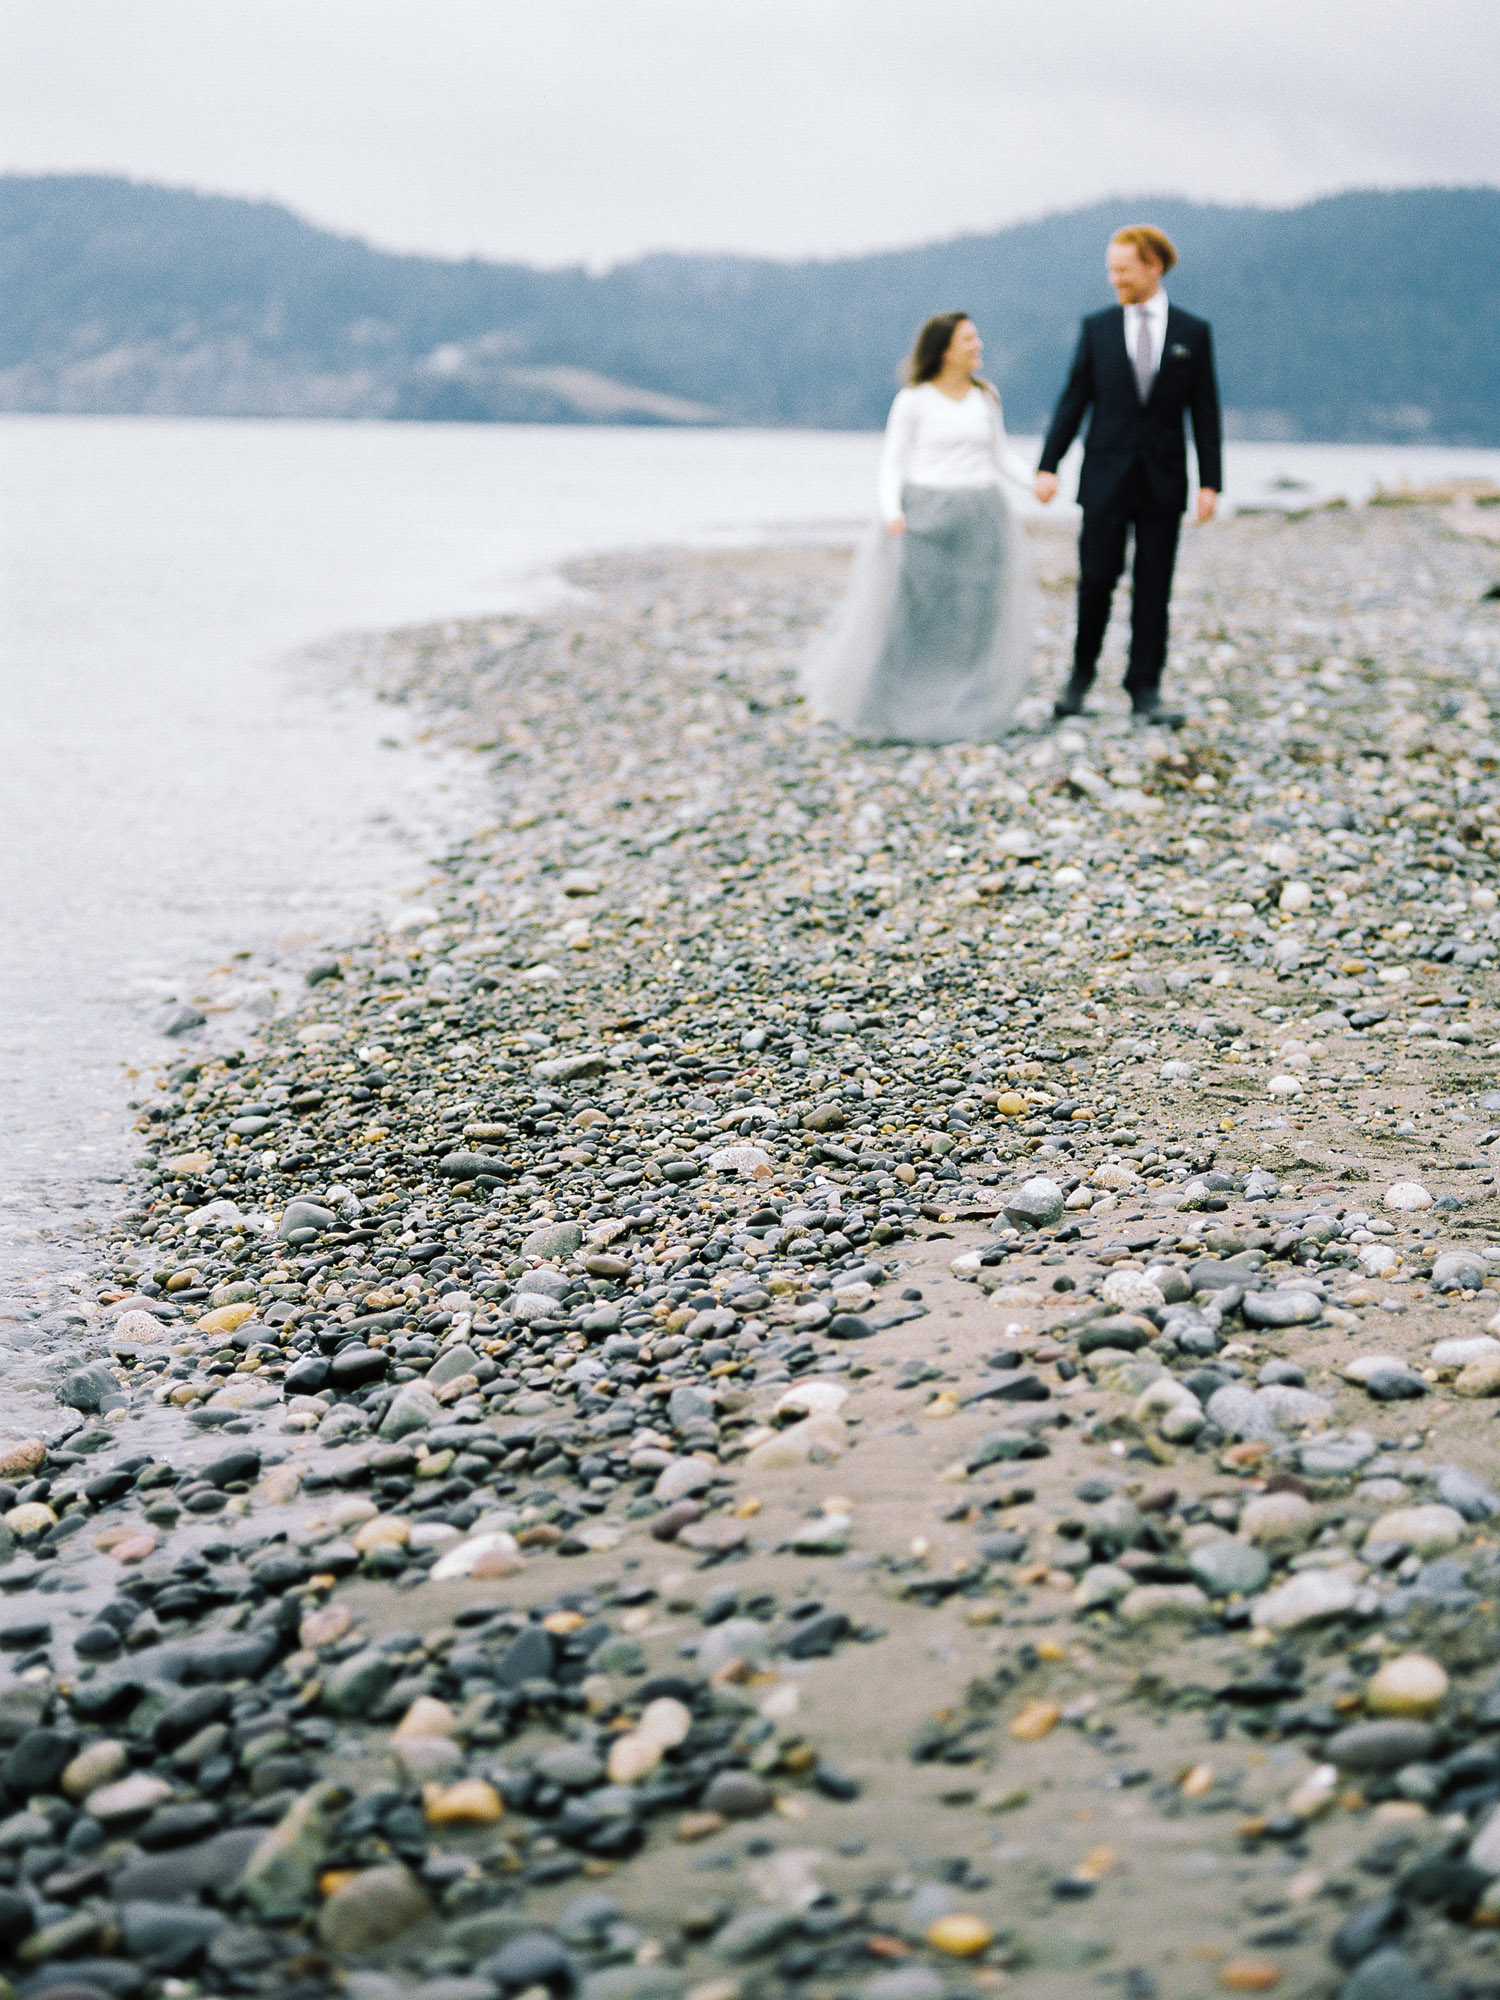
x,y
180,786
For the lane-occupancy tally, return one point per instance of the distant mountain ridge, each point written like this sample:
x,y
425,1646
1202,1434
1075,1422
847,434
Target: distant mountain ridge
x,y
1362,317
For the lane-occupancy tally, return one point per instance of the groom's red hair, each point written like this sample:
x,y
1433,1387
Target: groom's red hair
x,y
1153,244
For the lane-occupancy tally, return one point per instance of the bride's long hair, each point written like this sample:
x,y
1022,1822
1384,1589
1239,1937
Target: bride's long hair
x,y
930,349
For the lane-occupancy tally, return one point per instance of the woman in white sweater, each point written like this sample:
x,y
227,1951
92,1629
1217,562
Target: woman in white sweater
x,y
933,642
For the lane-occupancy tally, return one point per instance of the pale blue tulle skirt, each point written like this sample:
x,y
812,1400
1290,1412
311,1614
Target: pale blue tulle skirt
x,y
933,641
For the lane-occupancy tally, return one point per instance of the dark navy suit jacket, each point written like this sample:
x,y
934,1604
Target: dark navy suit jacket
x,y
1122,429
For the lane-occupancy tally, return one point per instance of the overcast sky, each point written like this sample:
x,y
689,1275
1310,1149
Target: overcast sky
x,y
558,131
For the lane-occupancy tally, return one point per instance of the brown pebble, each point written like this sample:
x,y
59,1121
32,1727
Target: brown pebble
x,y
427,1716
541,1535
1249,1975
670,1522
471,1802
133,1548
1249,1453
97,1765
961,1935
384,1531
496,1562
633,1757
1035,1720
19,1461
279,1484
325,1627
699,1825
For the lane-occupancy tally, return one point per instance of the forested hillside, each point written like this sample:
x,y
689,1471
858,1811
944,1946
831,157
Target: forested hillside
x,y
1368,316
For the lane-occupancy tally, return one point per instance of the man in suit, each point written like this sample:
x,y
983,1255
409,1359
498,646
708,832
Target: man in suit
x,y
1142,366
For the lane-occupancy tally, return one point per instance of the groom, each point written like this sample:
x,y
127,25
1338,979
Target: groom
x,y
1142,365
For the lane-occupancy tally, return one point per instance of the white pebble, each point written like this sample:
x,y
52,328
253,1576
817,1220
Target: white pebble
x,y
1131,1291
1459,1353
811,1399
1407,1195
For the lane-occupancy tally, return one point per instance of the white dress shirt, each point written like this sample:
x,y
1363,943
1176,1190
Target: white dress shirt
x,y
931,440
1154,313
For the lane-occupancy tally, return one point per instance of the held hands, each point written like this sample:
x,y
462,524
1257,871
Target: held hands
x,y
1045,488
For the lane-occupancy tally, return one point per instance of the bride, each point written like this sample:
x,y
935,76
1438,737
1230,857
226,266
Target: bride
x,y
933,641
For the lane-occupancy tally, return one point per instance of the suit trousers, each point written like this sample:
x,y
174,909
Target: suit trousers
x,y
1101,560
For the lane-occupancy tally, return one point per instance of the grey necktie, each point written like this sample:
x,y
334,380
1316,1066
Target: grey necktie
x,y
1145,374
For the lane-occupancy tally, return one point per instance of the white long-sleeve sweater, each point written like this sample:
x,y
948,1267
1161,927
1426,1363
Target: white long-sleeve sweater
x,y
931,440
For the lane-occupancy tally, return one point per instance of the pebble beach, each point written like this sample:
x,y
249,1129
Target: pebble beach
x,y
828,1369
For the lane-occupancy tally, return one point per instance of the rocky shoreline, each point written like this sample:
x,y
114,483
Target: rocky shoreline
x,y
832,1369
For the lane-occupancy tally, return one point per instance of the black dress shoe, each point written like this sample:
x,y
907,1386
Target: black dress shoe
x,y
1070,701
1150,713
